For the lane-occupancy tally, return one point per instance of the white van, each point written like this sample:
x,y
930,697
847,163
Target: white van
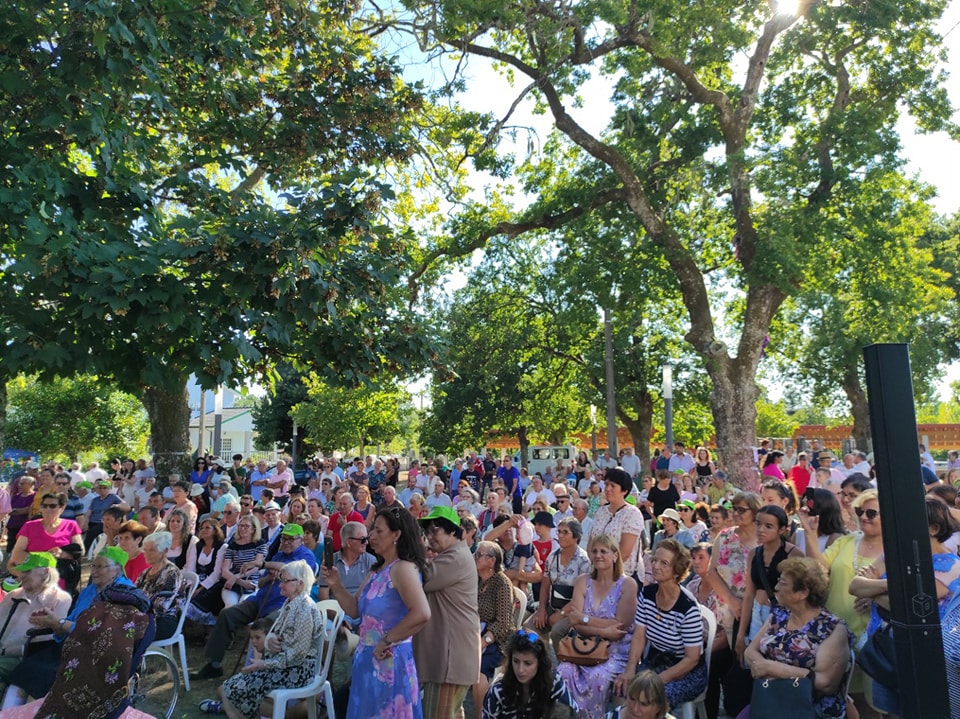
x,y
542,457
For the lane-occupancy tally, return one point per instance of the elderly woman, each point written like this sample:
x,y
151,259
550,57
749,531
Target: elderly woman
x,y
668,620
290,657
35,674
38,593
417,506
603,605
561,570
670,522
801,639
442,649
495,606
392,607
163,583
51,533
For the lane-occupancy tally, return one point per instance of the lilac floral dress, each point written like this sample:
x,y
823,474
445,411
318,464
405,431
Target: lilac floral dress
x,y
590,686
386,688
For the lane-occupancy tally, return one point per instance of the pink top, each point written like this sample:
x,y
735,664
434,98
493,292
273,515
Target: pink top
x,y
773,470
39,540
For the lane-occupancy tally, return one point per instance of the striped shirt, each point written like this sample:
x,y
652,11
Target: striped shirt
x,y
672,630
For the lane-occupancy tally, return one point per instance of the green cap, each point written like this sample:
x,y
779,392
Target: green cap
x,y
115,554
104,483
36,560
84,485
292,529
687,503
441,512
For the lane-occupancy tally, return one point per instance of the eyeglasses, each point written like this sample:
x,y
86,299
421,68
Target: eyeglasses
x,y
741,510
50,506
246,504
479,555
871,514
286,580
362,540
684,509
562,499
63,484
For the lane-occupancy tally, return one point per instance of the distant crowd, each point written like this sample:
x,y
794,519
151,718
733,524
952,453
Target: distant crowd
x,y
475,577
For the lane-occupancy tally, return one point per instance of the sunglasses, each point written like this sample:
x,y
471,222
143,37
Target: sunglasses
x,y
684,509
50,506
741,510
362,540
871,514
525,636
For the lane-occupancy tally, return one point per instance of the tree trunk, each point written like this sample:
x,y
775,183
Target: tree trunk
x,y
858,408
3,413
169,430
734,405
524,440
640,428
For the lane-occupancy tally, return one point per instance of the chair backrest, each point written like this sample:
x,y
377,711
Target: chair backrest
x,y
710,619
519,606
331,609
192,581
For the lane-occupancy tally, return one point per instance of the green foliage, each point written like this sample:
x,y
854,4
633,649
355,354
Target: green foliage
x,y
271,414
774,419
143,233
337,417
66,417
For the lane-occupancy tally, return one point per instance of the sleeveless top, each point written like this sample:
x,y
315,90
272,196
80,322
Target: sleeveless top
x,y
703,470
772,572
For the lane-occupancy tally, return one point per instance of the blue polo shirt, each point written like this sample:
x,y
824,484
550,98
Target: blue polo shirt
x,y
268,597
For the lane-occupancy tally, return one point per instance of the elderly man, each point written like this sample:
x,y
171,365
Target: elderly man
x,y
409,491
580,508
437,497
630,463
271,522
104,498
536,491
280,482
564,508
345,513
266,601
38,593
231,515
390,499
259,479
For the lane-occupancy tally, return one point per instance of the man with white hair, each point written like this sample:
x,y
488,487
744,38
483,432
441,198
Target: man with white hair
x,y
630,462
390,499
580,508
564,508
38,593
536,491
280,482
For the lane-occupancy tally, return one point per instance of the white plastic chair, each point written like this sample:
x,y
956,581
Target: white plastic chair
x,y
192,581
331,609
697,707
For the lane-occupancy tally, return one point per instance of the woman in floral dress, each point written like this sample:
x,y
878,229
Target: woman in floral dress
x,y
393,608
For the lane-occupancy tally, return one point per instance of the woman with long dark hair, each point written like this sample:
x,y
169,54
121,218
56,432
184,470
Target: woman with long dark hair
x,y
821,503
529,687
392,608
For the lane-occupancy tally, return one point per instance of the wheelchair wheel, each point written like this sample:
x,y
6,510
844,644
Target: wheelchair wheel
x,y
155,687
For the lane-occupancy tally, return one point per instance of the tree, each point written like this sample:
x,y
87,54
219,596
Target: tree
x,y
894,293
337,417
188,189
732,169
73,415
271,414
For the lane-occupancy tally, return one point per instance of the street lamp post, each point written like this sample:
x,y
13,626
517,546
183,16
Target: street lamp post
x,y
593,431
217,420
668,403
293,453
612,444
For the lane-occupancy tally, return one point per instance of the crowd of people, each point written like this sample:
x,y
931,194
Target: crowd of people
x,y
475,579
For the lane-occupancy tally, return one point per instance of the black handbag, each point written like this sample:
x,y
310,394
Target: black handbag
x,y
878,658
783,699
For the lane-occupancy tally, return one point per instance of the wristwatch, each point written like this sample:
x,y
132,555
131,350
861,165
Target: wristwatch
x,y
586,619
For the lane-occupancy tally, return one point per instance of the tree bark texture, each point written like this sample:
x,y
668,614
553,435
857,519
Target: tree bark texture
x,y
169,416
